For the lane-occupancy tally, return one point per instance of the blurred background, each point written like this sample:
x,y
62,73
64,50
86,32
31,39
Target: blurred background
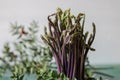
x,y
105,14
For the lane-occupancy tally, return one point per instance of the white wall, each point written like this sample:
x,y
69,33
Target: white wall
x,y
105,13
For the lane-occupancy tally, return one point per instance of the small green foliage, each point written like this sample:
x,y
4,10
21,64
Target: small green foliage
x,y
52,75
26,50
18,74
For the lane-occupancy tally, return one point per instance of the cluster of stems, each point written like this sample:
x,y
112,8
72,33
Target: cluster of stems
x,y
69,42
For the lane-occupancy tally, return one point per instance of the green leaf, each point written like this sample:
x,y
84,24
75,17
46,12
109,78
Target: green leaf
x,y
21,77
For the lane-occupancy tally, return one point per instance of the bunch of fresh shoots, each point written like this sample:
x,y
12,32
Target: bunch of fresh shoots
x,y
69,42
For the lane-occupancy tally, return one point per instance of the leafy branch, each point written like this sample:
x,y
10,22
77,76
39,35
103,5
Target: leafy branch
x,y
26,49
